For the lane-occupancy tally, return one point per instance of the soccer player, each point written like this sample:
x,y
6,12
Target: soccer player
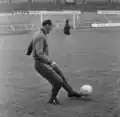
x,y
46,67
67,28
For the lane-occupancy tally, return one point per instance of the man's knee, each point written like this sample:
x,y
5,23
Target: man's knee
x,y
58,82
56,87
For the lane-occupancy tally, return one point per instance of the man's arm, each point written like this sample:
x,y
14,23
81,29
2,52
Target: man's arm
x,y
39,51
30,48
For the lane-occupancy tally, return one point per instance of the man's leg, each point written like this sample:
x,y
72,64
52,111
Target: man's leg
x,y
49,74
59,72
53,98
65,85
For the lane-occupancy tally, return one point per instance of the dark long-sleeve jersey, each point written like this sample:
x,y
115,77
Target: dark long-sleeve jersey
x,y
38,45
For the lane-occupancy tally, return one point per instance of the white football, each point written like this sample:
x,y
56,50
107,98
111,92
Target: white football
x,y
86,90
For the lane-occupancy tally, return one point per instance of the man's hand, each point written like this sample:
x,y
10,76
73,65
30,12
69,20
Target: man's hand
x,y
53,64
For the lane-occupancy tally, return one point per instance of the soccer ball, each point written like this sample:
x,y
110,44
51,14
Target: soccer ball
x,y
86,90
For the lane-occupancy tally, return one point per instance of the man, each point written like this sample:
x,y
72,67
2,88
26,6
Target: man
x,y
67,28
45,67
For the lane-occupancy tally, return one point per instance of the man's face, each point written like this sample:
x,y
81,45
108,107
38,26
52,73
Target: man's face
x,y
49,28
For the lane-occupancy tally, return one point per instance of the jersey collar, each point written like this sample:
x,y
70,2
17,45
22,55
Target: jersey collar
x,y
43,31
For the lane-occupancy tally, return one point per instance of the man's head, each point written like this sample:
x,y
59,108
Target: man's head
x,y
47,25
67,21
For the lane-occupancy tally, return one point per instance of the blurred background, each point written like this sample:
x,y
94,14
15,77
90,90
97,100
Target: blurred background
x,y
83,5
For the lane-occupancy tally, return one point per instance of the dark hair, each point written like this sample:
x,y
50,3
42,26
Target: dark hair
x,y
47,22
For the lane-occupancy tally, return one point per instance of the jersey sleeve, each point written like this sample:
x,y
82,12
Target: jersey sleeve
x,y
30,48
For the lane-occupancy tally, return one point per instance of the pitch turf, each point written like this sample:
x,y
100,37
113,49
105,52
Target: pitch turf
x,y
90,57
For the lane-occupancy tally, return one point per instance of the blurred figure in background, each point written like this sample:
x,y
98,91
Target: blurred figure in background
x,y
67,28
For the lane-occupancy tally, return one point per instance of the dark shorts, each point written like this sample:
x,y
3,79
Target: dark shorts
x,y
48,73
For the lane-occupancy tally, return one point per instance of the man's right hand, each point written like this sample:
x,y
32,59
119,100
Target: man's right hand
x,y
53,64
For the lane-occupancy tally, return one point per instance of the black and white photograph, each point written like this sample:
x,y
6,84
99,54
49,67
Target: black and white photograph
x,y
59,58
